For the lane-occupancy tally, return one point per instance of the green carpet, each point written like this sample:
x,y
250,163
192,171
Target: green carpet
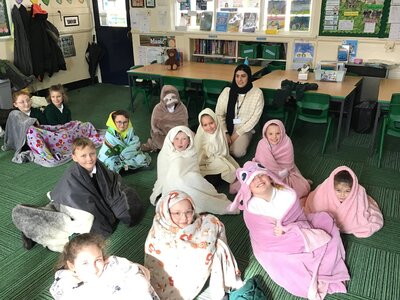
x,y
374,263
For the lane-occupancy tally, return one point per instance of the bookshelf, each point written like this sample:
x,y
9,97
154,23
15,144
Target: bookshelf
x,y
234,51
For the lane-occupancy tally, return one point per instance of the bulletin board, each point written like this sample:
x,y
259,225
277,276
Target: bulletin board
x,y
359,18
4,23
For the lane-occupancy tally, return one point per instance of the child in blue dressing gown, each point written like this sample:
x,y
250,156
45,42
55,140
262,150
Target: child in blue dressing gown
x,y
121,148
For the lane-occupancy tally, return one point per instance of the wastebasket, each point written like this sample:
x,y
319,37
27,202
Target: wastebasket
x,y
363,116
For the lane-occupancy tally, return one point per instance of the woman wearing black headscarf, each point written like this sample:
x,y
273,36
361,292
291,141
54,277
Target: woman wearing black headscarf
x,y
239,109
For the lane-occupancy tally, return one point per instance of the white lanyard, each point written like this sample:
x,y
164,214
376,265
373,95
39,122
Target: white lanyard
x,y
238,107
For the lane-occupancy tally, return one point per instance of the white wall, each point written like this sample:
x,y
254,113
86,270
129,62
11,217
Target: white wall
x,y
77,68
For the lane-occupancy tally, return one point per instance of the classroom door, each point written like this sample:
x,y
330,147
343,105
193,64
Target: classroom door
x,y
113,31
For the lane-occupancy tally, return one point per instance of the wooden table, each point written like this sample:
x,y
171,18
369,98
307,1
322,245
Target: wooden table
x,y
339,91
194,72
387,87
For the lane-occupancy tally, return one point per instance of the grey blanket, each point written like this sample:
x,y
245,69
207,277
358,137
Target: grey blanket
x,y
109,202
17,126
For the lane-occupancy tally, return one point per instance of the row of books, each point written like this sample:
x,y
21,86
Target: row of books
x,y
229,21
215,47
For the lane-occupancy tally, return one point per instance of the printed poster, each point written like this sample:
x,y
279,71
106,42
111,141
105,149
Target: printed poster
x,y
303,54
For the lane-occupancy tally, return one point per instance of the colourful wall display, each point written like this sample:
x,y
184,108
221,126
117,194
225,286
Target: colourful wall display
x,y
354,18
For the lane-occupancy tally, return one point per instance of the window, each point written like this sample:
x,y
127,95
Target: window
x,y
288,15
112,13
195,14
244,15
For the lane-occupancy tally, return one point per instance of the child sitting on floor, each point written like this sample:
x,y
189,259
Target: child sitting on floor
x,y
85,272
121,148
88,198
22,100
347,201
213,150
178,169
275,152
57,112
170,112
46,145
183,249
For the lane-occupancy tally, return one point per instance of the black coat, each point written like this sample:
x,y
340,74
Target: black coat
x,y
46,55
22,52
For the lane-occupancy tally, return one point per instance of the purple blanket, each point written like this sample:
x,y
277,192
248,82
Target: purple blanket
x,y
52,145
304,260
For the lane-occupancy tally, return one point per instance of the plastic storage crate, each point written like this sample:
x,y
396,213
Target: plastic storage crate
x,y
270,51
329,75
248,50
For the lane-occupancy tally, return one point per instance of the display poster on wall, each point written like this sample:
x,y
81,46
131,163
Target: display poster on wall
x,y
67,45
157,41
303,54
354,17
4,22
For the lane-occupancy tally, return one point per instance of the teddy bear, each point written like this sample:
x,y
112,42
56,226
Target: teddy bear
x,y
172,60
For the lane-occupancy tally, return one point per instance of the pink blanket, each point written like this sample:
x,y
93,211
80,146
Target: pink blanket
x,y
308,258
308,274
358,214
280,157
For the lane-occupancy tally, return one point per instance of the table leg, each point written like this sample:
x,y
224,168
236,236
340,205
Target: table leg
x,y
130,79
340,124
372,144
350,112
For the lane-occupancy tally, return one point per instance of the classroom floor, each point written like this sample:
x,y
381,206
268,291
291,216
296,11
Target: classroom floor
x,y
374,263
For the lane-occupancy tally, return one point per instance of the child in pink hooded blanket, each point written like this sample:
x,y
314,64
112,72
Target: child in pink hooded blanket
x,y
302,253
347,201
275,152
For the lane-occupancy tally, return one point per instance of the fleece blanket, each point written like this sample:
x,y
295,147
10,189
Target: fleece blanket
x,y
358,214
310,250
120,279
17,126
162,119
108,202
122,149
179,170
50,146
279,159
197,251
213,150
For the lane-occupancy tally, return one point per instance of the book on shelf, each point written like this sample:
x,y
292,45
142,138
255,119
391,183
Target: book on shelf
x,y
249,22
206,20
234,22
222,21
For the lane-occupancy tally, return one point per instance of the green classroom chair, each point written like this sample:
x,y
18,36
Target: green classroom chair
x,y
273,110
142,84
391,123
314,108
180,84
211,90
